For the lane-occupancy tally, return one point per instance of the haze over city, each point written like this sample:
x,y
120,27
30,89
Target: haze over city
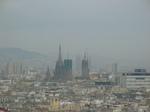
x,y
115,29
74,56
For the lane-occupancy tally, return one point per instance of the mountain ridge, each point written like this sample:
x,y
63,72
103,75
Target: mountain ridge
x,y
14,54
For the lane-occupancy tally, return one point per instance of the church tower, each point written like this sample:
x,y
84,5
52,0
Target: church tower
x,y
85,68
59,68
68,69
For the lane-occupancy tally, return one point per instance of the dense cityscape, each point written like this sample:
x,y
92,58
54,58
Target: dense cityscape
x,y
74,56
69,90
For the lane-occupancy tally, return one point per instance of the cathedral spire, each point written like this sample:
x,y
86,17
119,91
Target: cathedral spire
x,y
59,68
59,57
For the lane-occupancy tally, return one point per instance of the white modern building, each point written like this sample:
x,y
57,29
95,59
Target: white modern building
x,y
139,78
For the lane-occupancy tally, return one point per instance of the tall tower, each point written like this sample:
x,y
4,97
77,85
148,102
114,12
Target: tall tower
x,y
85,68
10,67
59,68
18,68
68,69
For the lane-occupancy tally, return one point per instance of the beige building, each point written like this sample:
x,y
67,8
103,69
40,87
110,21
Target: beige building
x,y
18,67
117,89
14,67
10,67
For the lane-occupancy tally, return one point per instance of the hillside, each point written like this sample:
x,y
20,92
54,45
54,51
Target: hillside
x,y
7,54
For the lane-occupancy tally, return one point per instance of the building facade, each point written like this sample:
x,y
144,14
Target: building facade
x,y
10,67
14,67
57,106
18,67
138,79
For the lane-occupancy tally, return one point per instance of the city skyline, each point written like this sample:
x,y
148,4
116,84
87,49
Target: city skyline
x,y
74,56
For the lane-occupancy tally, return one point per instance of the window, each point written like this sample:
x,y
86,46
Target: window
x,y
140,78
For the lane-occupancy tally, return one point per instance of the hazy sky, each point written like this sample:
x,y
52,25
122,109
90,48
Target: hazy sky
x,y
112,28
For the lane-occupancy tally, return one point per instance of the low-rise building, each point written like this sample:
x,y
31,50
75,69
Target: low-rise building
x,y
117,89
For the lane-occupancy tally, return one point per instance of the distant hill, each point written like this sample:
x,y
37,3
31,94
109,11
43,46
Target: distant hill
x,y
17,54
7,54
